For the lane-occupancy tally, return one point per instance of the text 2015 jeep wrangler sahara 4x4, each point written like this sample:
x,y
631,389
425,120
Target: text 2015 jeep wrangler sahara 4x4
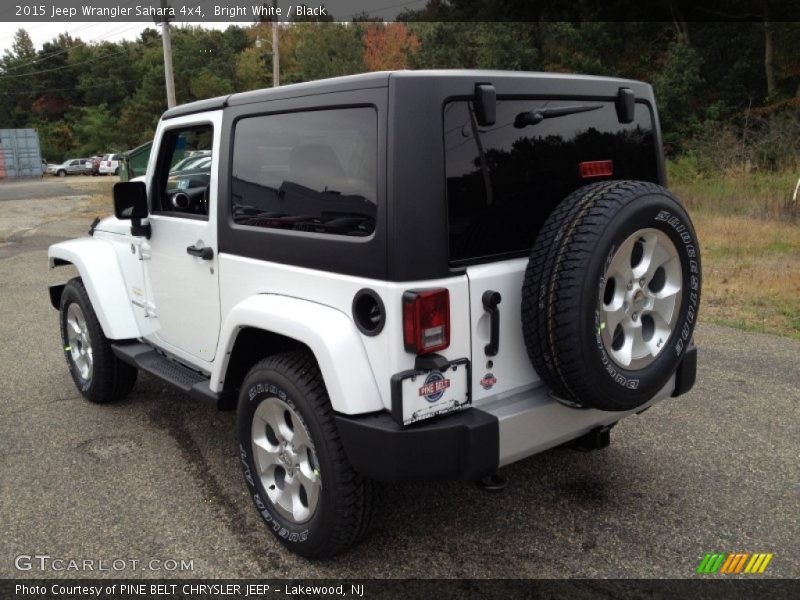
x,y
393,275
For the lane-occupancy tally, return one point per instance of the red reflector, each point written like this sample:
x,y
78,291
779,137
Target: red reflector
x,y
596,168
426,320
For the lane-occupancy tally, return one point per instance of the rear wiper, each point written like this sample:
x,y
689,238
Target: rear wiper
x,y
534,117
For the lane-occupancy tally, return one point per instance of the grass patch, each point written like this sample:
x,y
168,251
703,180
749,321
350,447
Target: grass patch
x,y
750,241
100,195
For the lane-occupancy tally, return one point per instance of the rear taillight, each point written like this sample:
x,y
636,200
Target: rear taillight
x,y
596,168
426,320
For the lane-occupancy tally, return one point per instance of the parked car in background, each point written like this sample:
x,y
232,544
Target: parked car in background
x,y
109,164
71,166
194,160
92,166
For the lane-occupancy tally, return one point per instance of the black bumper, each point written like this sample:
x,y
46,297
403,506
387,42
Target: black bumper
x,y
464,445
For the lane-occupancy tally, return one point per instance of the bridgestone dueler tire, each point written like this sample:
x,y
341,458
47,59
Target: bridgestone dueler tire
x,y
111,378
563,283
345,507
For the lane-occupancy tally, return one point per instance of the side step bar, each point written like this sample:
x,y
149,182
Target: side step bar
x,y
195,384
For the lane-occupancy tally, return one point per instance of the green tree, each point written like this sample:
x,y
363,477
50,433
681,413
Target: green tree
x,y
447,45
208,85
327,49
96,130
677,88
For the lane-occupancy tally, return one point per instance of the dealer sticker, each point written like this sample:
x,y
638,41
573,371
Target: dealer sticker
x,y
434,387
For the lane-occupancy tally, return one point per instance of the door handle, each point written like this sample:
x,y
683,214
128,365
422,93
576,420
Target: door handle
x,y
205,252
490,301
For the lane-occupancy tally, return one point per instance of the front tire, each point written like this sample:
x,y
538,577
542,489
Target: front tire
x,y
99,375
62,173
294,464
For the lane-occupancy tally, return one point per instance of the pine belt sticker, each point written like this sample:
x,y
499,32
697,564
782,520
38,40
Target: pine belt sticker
x,y
488,381
434,387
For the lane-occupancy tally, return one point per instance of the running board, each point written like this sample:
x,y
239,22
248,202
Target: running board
x,y
195,384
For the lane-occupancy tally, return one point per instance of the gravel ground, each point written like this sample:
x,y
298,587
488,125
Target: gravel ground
x,y
157,475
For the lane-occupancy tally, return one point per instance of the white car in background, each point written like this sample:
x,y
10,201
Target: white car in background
x,y
109,164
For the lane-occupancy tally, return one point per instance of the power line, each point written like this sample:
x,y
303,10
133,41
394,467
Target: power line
x,y
381,9
70,66
61,68
114,31
71,89
67,49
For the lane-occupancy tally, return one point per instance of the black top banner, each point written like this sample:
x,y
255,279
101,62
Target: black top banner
x,y
200,11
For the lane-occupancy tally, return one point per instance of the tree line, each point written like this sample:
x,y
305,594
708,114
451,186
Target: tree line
x,y
725,91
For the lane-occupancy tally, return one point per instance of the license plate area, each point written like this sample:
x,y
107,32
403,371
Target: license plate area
x,y
421,394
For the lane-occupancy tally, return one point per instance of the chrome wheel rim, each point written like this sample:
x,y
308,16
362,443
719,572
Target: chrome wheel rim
x,y
640,297
286,460
79,344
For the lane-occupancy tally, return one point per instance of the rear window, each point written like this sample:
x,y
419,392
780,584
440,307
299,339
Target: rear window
x,y
503,180
312,171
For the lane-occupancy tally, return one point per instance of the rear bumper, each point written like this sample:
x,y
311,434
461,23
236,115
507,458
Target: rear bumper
x,y
473,443
462,445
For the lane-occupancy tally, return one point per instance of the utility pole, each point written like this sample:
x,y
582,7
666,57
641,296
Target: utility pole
x,y
276,61
169,79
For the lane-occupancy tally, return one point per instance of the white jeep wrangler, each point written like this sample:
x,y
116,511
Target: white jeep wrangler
x,y
391,276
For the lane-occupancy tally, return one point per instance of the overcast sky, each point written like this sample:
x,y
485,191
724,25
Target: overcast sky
x,y
88,32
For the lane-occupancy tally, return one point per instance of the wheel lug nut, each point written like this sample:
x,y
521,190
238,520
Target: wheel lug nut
x,y
642,282
635,316
630,285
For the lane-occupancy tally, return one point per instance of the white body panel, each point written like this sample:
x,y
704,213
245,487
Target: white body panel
x,y
511,367
243,278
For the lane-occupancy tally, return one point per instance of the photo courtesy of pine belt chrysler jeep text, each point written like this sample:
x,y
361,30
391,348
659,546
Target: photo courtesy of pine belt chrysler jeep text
x,y
397,275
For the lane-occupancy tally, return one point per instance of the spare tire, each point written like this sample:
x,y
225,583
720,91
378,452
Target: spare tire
x,y
611,294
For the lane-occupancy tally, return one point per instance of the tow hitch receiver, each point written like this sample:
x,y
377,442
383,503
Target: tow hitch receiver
x,y
597,439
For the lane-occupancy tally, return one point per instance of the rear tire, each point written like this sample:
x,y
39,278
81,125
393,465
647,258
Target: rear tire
x,y
98,374
295,467
611,294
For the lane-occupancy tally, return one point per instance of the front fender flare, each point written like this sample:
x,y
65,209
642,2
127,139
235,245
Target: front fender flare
x,y
329,334
97,264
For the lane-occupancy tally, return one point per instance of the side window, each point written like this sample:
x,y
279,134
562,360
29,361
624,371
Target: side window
x,y
183,178
312,171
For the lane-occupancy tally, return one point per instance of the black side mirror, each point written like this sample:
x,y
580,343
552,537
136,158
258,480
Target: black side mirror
x,y
130,202
485,104
626,105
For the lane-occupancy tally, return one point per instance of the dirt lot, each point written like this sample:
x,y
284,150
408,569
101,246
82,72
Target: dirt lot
x,y
157,475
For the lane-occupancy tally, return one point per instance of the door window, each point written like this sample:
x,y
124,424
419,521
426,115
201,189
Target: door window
x,y
183,177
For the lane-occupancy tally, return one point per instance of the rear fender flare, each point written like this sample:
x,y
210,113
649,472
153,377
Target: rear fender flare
x,y
330,334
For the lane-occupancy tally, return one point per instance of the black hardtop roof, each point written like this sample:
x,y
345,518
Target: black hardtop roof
x,y
379,79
